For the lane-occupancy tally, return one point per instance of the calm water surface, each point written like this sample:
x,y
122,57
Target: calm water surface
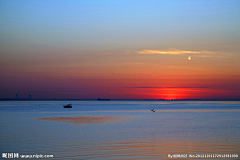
x,y
175,128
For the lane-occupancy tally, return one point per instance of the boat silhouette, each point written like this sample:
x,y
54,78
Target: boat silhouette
x,y
100,99
68,106
153,110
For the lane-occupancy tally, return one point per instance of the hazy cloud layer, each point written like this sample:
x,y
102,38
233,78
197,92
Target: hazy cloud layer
x,y
174,51
170,87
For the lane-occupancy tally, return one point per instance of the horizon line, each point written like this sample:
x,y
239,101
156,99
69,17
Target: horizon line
x,y
61,99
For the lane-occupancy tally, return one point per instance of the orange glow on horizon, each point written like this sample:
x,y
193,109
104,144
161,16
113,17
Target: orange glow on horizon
x,y
178,93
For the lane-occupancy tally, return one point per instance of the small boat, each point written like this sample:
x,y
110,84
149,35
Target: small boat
x,y
68,106
153,110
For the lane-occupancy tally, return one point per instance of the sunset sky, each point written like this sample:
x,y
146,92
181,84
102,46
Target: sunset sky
x,y
125,49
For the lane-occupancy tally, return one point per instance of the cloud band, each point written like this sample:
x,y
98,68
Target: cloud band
x,y
174,52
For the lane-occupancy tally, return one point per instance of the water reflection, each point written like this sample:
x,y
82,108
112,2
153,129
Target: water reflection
x,y
83,119
119,131
148,149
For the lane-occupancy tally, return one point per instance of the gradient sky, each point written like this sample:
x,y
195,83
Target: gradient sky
x,y
128,49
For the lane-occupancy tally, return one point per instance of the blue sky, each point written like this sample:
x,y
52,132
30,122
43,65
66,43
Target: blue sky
x,y
49,46
128,24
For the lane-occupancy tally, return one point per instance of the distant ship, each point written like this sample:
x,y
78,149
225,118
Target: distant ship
x,y
100,99
68,106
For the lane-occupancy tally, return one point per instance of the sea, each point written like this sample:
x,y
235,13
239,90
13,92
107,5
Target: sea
x,y
120,130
